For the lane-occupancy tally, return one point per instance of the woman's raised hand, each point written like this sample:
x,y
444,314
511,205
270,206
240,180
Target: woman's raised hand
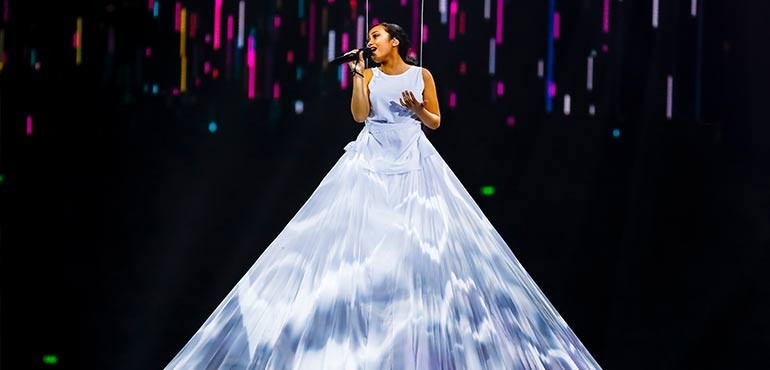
x,y
409,101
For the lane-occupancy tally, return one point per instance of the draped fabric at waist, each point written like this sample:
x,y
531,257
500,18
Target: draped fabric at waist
x,y
391,148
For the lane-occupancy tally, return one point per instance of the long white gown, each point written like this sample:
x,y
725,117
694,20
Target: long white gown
x,y
390,264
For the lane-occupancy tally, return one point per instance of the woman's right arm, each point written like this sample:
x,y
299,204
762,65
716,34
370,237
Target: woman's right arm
x,y
359,102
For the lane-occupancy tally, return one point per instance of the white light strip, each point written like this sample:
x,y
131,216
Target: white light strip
x,y
590,74
332,37
241,22
492,56
669,97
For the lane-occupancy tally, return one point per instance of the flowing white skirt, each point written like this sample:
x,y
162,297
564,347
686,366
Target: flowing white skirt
x,y
390,264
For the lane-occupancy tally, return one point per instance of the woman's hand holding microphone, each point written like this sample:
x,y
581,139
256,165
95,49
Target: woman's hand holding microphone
x,y
356,66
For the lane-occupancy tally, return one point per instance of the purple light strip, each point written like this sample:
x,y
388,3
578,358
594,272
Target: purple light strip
x,y
556,25
251,61
217,22
606,17
29,125
344,80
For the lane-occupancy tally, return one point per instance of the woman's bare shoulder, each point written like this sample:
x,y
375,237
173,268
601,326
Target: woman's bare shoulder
x,y
426,75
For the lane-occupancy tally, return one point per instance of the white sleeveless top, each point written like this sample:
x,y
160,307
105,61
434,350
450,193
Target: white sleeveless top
x,y
392,140
385,92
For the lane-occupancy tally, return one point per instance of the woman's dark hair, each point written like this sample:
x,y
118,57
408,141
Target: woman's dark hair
x,y
404,44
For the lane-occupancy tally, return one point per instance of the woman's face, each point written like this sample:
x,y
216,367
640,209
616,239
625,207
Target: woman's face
x,y
380,43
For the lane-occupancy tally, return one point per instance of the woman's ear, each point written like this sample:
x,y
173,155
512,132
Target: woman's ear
x,y
395,42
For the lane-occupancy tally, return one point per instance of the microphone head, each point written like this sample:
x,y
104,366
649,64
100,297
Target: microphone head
x,y
367,52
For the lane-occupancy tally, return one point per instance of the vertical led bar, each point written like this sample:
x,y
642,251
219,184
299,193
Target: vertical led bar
x,y
251,61
556,25
29,125
155,9
590,72
182,32
217,22
177,15
540,68
276,90
301,9
276,22
606,16
183,49
2,49
425,33
694,8
452,19
452,100
241,23
669,97
343,66
550,87
193,25
500,88
332,40
311,36
487,9
655,11
360,43
230,28
150,5
499,25
442,9
567,105
79,41
492,56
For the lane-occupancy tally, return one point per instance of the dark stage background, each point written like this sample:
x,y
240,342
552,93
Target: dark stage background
x,y
130,208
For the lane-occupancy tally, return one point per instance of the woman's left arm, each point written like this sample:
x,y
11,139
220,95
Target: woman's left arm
x,y
428,110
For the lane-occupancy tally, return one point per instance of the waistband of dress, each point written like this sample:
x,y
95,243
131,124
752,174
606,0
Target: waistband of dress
x,y
377,126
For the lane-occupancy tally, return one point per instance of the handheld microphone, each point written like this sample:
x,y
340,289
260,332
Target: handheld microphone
x,y
351,57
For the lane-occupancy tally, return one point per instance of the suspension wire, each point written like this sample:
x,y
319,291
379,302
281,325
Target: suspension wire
x,y
366,29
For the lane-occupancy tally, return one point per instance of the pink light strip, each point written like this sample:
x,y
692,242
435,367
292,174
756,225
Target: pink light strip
x,y
276,91
217,22
606,17
452,99
277,22
251,61
343,67
29,125
177,15
150,4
